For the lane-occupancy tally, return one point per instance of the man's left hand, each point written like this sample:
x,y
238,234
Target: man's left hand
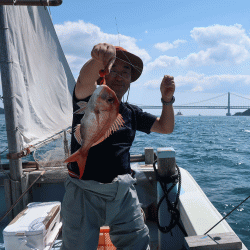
x,y
167,88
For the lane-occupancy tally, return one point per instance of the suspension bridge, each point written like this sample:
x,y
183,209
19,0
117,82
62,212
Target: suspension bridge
x,y
197,105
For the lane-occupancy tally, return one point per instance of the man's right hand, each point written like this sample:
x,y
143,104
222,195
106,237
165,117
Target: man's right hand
x,y
104,53
103,57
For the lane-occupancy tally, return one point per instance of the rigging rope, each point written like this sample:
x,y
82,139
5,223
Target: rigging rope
x,y
172,206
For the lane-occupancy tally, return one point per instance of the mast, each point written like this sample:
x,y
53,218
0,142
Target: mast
x,y
10,109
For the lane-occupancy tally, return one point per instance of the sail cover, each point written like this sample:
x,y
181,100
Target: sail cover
x,y
42,80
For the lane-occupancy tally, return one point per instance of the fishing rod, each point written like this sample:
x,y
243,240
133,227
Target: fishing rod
x,y
22,195
226,216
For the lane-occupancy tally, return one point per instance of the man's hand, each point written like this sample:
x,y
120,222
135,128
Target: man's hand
x,y
165,123
104,53
167,88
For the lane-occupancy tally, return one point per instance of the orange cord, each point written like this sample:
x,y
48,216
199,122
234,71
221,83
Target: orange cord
x,y
102,74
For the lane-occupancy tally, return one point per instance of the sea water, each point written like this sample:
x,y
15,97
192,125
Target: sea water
x,y
215,150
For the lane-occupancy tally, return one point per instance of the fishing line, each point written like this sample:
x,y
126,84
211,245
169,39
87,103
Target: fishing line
x,y
117,31
128,94
135,67
129,62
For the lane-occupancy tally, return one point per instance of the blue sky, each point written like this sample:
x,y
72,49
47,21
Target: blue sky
x,y
205,45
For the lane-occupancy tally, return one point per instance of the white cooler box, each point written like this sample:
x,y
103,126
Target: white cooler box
x,y
35,228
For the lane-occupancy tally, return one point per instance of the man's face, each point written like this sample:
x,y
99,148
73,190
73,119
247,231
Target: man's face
x,y
119,78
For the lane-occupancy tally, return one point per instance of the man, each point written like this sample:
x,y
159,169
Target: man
x,y
105,195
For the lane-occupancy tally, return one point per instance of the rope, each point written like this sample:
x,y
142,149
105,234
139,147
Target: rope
x,y
172,206
22,196
225,216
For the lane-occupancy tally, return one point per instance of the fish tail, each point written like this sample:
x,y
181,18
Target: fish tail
x,y
81,159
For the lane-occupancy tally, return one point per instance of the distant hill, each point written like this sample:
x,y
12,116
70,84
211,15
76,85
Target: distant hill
x,y
1,111
245,113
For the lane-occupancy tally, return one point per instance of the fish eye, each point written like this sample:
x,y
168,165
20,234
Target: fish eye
x,y
111,100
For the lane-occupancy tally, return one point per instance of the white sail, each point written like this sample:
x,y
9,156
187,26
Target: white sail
x,y
42,80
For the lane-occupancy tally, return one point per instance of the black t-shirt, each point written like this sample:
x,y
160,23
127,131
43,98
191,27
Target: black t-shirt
x,y
111,157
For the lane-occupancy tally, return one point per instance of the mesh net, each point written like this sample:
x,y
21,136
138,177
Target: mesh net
x,y
51,157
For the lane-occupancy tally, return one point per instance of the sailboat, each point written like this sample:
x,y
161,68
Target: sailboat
x,y
37,90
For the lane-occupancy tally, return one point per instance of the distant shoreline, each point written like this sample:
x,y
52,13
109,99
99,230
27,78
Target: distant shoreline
x,y
245,113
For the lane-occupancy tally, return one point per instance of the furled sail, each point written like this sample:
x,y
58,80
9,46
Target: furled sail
x,y
42,80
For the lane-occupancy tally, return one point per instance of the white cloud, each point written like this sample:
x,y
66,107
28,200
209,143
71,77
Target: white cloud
x,y
214,35
78,39
221,45
195,82
75,62
167,46
202,83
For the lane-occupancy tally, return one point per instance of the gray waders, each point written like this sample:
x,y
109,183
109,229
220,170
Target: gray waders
x,y
89,205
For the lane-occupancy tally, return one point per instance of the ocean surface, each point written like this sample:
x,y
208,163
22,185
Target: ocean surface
x,y
215,150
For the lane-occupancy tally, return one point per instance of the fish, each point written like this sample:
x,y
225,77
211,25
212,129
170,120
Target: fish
x,y
101,118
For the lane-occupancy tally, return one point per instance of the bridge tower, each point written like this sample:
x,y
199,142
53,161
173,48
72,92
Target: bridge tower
x,y
228,105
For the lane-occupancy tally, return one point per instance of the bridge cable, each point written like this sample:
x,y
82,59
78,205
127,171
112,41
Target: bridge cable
x,y
241,96
204,100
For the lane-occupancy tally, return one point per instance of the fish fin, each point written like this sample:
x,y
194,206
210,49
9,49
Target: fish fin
x,y
119,122
77,134
81,159
83,106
